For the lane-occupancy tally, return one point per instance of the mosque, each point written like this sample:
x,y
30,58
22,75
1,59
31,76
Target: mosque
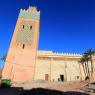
x,y
25,63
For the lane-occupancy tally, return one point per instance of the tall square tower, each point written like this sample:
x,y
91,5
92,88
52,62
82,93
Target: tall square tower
x,y
21,57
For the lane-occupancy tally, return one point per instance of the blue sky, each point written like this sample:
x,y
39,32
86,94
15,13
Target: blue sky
x,y
66,25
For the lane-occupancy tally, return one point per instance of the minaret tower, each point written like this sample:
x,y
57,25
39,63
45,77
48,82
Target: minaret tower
x,y
21,57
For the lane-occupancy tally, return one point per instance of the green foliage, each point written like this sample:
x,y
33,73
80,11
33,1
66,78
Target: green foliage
x,y
3,58
90,52
5,82
0,75
84,60
87,56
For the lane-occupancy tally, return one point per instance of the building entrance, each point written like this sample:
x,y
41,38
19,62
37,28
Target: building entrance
x,y
62,77
46,77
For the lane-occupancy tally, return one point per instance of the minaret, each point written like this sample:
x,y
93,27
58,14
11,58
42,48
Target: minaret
x,y
21,57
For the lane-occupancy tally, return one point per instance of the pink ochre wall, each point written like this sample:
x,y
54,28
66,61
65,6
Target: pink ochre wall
x,y
20,62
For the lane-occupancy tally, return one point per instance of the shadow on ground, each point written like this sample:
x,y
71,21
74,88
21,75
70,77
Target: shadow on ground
x,y
36,91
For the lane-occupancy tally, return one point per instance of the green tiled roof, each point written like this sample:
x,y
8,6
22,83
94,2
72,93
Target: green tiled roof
x,y
26,14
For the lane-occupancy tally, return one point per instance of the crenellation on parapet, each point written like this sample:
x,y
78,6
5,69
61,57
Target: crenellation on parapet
x,y
41,52
30,13
30,10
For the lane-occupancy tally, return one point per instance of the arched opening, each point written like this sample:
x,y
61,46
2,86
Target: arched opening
x,y
31,27
23,46
23,26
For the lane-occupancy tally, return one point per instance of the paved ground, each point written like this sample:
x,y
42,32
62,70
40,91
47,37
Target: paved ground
x,y
55,88
37,91
61,86
90,89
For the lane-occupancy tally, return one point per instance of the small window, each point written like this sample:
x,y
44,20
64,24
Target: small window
x,y
23,46
30,27
77,77
23,26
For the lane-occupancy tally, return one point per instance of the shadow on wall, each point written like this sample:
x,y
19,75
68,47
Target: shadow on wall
x,y
36,91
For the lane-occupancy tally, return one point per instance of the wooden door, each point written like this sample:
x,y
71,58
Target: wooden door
x,y
46,77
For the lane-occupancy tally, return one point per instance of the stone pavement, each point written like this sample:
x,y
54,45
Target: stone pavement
x,y
50,88
90,89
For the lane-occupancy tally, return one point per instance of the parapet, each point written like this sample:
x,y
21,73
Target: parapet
x,y
30,13
41,52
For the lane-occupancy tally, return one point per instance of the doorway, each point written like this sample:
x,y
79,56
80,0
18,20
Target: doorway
x,y
23,46
62,77
46,77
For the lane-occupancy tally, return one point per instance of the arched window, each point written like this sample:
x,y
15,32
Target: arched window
x,y
23,46
31,27
23,26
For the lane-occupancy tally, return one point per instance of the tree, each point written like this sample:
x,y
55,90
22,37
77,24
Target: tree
x,y
90,53
84,61
3,58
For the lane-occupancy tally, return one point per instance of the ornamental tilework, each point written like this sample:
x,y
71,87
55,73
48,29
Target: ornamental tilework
x,y
25,35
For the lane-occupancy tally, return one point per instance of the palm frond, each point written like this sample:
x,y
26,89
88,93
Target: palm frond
x,y
3,58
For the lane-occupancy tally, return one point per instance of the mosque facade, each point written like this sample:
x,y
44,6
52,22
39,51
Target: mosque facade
x,y
25,63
